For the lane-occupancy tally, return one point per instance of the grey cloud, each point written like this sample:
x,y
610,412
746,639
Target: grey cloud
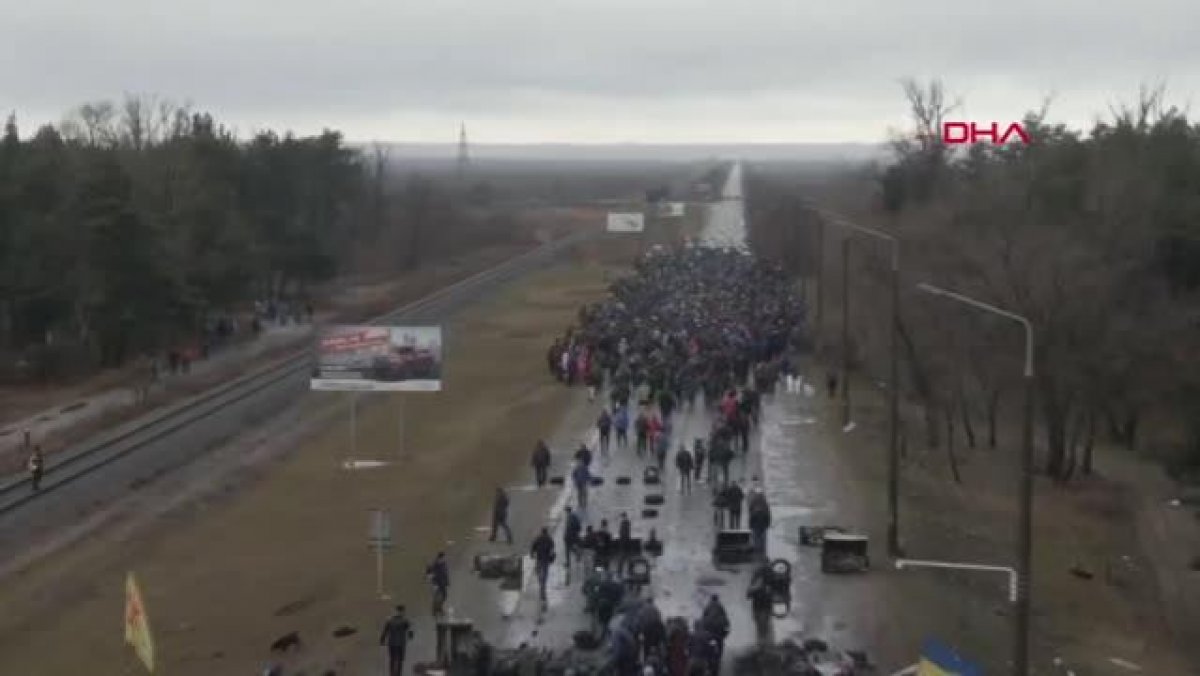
x,y
359,59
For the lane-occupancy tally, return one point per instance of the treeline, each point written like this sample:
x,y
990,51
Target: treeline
x,y
128,228
1094,236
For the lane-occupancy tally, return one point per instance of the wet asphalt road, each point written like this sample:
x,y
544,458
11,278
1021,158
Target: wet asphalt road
x,y
791,454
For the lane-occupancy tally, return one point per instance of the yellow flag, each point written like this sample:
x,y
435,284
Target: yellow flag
x,y
137,624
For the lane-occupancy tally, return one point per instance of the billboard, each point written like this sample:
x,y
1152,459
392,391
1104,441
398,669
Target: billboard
x,y
379,359
671,209
626,222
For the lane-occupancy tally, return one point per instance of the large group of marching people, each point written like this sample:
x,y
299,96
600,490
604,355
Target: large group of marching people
x,y
697,328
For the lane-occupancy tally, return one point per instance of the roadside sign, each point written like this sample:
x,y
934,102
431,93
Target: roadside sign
x,y
378,359
626,222
379,533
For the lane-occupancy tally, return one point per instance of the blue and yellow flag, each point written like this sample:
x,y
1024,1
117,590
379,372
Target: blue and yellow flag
x,y
937,659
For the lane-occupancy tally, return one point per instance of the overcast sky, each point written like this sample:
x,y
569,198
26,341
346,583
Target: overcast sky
x,y
593,70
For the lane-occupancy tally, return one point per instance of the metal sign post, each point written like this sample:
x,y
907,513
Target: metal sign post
x,y
354,425
379,537
400,404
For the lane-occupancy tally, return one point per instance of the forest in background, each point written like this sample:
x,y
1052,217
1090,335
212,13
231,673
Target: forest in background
x,y
1093,235
130,228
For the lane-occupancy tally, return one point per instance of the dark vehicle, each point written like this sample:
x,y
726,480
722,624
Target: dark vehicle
x,y
404,363
844,553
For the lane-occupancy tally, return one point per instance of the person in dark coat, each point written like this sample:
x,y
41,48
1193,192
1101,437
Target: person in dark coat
x,y
500,515
760,520
396,634
608,597
702,651
698,454
623,543
540,462
734,497
683,462
603,546
572,535
582,479
604,429
641,429
653,631
542,551
584,455
37,468
716,622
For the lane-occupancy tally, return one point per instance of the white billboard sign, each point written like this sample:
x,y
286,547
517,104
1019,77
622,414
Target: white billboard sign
x,y
626,222
672,209
379,359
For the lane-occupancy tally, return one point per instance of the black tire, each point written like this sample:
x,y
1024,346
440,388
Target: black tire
x,y
781,568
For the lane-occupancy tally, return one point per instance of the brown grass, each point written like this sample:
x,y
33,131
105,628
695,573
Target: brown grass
x,y
214,579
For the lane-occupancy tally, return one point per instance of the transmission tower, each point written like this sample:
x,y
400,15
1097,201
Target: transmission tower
x,y
463,158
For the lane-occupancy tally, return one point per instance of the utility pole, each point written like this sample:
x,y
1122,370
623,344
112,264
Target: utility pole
x,y
820,282
845,332
894,413
463,158
1021,619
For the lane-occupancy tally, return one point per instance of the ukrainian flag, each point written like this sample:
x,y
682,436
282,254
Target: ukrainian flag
x,y
937,659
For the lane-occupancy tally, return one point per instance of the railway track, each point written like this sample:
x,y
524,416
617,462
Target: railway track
x,y
262,393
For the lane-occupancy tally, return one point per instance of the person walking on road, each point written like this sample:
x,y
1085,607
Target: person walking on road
x,y
396,634
604,428
500,515
716,622
720,512
698,455
584,455
702,651
572,532
683,462
624,544
582,479
540,462
661,447
641,428
621,424
734,497
719,459
37,467
602,552
653,631
760,520
542,551
438,574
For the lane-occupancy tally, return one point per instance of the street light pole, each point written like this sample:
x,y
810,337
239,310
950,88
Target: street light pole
x,y
893,537
1025,485
894,412
820,282
845,332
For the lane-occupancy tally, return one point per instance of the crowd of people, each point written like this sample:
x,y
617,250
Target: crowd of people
x,y
701,328
698,329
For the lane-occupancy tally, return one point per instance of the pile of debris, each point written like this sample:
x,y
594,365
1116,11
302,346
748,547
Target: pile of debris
x,y
811,658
